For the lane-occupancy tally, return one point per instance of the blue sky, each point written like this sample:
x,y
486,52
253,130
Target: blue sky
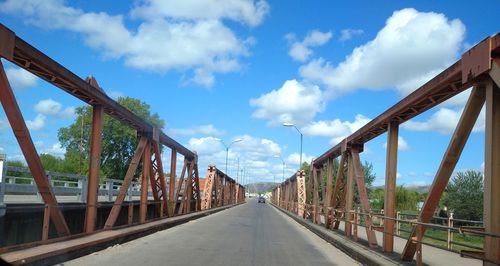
x,y
239,69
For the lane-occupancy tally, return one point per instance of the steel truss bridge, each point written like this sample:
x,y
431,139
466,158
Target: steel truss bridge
x,y
478,68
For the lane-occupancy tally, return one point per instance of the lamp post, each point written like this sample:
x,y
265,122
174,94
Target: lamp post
x,y
227,148
238,171
301,137
279,157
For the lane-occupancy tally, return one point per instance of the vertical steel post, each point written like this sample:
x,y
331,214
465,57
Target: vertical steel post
x,y
95,164
328,199
492,174
46,222
349,197
146,164
390,185
171,185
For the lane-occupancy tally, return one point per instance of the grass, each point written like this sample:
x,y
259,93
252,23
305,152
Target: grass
x,y
433,235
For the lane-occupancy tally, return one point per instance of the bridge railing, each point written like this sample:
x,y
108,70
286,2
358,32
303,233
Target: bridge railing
x,y
442,232
19,181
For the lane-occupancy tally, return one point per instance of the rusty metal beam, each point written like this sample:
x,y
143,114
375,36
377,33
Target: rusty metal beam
x,y
450,82
159,177
171,185
450,159
328,199
363,197
339,183
23,137
492,175
146,165
349,196
209,185
390,185
117,205
19,52
95,163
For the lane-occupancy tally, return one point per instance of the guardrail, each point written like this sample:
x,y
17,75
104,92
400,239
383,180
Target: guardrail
x,y
63,184
404,223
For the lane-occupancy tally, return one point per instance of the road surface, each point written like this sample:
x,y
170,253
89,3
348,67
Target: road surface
x,y
249,234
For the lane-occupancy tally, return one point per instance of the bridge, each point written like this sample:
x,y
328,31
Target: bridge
x,y
306,222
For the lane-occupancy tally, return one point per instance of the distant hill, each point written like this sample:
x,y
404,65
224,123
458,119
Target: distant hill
x,y
261,187
420,189
417,188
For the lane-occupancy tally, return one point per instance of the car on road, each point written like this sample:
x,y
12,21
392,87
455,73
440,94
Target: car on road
x,y
262,199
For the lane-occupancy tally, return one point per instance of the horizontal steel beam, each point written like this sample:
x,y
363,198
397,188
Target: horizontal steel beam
x,y
220,173
19,52
450,82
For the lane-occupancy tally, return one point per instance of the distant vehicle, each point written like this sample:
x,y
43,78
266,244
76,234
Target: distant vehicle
x,y
262,199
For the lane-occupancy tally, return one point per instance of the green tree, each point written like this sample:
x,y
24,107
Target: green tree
x,y
118,140
406,199
464,195
377,196
52,163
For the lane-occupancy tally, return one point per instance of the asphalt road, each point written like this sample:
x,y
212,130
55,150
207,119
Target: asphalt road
x,y
249,234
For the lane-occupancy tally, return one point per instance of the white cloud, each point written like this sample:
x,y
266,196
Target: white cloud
x,y
56,150
294,102
410,48
398,175
444,121
245,11
203,130
20,79
255,155
52,108
347,34
1,149
428,174
336,129
300,50
204,146
191,36
293,160
37,124
402,144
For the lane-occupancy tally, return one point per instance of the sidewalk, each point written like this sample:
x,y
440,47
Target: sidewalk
x,y
361,252
430,255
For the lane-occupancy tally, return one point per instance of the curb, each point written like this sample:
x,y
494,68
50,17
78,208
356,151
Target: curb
x,y
355,250
74,248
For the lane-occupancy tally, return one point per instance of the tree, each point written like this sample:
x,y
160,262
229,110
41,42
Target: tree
x,y
118,140
51,163
464,195
406,199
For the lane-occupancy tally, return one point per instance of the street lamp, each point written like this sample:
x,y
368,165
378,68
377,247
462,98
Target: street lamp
x,y
279,157
227,148
301,137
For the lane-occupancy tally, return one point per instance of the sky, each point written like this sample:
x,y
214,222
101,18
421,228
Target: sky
x,y
226,70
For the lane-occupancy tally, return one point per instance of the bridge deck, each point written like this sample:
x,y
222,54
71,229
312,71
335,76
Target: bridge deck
x,y
249,234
